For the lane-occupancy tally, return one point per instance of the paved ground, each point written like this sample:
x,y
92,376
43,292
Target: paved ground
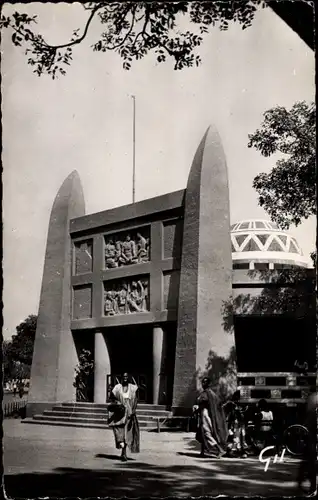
x,y
42,461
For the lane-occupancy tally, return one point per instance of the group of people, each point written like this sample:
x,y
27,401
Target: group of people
x,y
16,387
122,253
127,298
221,428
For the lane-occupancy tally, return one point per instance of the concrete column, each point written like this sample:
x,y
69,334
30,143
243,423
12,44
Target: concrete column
x,y
157,350
101,368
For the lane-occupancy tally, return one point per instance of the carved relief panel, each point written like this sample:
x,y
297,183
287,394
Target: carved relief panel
x,y
127,247
126,296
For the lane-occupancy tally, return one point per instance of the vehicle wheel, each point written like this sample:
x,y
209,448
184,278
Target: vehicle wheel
x,y
295,439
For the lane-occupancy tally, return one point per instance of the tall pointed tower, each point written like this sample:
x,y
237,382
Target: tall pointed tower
x,y
54,356
206,269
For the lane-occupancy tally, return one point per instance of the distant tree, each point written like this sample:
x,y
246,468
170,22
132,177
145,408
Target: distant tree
x,y
20,348
132,30
8,364
18,351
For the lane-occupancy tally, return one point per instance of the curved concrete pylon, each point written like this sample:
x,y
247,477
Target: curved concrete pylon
x,y
206,268
54,356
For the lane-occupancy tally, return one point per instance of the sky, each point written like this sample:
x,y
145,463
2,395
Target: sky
x,y
83,121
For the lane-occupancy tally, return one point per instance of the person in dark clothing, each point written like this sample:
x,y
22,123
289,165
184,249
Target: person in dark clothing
x,y
21,389
308,466
212,428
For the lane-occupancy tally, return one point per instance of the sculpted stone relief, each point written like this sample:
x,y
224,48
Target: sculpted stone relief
x,y
126,249
126,297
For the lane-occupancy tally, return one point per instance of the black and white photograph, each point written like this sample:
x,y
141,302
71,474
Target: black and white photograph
x,y
159,249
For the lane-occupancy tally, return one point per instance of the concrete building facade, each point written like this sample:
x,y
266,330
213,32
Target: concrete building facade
x,y
147,288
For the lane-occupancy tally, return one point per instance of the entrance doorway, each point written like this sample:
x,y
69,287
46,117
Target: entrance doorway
x,y
130,350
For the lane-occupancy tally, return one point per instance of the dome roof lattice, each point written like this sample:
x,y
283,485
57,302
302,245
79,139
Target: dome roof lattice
x,y
262,241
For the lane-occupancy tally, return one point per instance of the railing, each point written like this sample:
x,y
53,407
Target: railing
x,y
186,424
15,409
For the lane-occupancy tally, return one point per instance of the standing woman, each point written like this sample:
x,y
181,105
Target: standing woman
x,y
212,429
123,417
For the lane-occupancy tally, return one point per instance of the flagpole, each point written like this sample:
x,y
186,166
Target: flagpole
x,y
134,148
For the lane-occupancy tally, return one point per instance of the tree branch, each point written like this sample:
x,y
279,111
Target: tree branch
x,y
143,31
129,31
81,38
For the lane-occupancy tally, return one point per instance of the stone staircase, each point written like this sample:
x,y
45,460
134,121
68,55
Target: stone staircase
x,y
93,415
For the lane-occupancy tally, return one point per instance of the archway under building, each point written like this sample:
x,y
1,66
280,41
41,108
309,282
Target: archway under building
x,y
131,349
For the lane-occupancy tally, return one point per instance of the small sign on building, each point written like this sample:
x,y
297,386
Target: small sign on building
x,y
276,393
259,380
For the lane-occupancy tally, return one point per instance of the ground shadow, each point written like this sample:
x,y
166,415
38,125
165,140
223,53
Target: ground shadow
x,y
111,457
171,430
139,479
189,454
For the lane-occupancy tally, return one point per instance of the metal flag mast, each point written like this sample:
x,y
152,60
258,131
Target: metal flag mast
x,y
134,148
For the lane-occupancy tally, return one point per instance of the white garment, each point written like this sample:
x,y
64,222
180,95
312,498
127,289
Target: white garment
x,y
207,429
126,398
267,415
126,394
267,419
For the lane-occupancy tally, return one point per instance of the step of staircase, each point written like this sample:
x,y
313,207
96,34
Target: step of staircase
x,y
141,406
90,425
64,410
95,415
73,410
84,419
65,414
65,424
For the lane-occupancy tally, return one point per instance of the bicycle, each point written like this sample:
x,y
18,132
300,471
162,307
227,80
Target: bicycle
x,y
293,439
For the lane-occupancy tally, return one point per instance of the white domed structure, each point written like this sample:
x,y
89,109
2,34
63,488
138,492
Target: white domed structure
x,y
260,244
